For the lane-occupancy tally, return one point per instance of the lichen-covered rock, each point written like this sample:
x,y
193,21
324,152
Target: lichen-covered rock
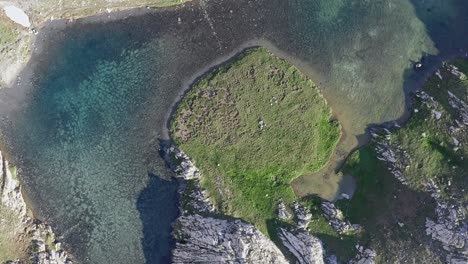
x,y
210,240
306,248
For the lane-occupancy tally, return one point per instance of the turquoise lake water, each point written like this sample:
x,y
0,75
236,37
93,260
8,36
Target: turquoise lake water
x,y
93,104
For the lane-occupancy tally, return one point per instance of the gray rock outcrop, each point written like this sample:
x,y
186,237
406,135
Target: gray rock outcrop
x,y
337,220
210,240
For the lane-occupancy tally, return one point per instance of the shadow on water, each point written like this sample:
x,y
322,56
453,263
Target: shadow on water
x,y
157,215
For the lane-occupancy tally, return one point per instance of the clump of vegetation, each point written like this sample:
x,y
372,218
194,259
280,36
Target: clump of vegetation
x,y
251,127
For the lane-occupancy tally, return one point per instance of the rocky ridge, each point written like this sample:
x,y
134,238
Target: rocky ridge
x,y
46,250
203,235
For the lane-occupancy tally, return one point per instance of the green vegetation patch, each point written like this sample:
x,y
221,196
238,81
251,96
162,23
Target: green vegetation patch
x,y
251,127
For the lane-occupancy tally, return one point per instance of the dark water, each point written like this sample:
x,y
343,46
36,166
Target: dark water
x,y
85,124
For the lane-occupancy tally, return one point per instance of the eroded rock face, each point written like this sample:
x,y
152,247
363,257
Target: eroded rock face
x,y
210,240
306,248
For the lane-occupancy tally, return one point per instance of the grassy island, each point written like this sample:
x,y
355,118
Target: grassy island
x,y
251,126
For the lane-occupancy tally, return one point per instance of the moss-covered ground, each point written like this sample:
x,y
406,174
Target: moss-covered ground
x,y
251,126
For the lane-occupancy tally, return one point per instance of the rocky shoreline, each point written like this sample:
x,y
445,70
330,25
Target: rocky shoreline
x,y
203,234
43,248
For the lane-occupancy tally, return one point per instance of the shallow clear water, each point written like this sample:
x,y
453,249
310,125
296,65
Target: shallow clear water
x,y
85,128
